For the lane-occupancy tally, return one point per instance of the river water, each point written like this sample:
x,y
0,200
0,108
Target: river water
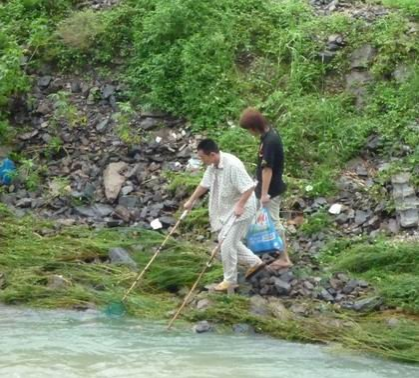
x,y
65,344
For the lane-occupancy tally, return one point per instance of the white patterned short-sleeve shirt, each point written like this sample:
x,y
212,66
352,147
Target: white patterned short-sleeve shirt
x,y
226,184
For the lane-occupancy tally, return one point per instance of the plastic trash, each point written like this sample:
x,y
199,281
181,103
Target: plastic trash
x,y
156,224
262,236
7,171
335,209
193,164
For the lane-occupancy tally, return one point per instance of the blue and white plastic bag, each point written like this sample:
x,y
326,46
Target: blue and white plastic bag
x,y
7,171
262,236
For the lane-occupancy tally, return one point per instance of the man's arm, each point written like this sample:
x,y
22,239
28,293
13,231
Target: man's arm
x,y
199,192
239,208
266,182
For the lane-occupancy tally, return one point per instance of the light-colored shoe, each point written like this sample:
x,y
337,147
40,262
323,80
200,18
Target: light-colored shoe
x,y
253,270
225,286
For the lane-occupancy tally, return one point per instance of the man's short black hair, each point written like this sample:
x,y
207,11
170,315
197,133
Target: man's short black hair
x,y
208,146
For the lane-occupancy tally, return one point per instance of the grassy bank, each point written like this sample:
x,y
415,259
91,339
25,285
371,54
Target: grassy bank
x,y
33,251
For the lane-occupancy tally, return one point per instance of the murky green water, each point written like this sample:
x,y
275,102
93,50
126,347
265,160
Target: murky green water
x,y
64,344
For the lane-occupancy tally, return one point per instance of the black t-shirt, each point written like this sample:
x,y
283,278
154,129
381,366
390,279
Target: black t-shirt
x,y
271,155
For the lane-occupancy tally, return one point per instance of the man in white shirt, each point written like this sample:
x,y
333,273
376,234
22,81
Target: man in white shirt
x,y
231,195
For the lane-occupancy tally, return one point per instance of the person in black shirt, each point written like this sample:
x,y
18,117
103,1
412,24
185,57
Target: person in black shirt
x,y
269,172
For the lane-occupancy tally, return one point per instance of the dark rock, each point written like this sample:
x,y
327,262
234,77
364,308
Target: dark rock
x,y
342,218
286,276
202,327
325,295
361,217
114,223
103,125
367,304
122,213
259,306
327,56
281,287
130,202
243,328
95,211
149,123
108,91
24,203
363,56
350,287
75,86
44,81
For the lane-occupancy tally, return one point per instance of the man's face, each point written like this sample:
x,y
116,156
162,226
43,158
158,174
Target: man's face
x,y
207,159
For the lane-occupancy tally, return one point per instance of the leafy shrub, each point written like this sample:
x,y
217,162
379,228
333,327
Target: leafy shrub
x,y
80,29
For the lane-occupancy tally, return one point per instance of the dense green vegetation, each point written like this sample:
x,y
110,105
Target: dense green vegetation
x,y
393,267
32,252
206,60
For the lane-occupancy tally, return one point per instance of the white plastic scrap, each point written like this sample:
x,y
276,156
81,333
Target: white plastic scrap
x,y
193,164
156,224
158,139
335,209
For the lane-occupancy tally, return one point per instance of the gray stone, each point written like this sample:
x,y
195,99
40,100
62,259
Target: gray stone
x,y
243,328
409,218
24,203
405,200
308,285
325,295
167,221
130,202
108,91
278,310
363,56
203,304
127,190
102,125
350,287
75,86
113,180
367,304
121,256
342,218
259,306
202,327
286,276
402,73
299,309
361,217
44,81
356,83
281,287
122,213
148,123
102,210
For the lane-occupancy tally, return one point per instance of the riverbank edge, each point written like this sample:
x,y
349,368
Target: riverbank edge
x,y
68,267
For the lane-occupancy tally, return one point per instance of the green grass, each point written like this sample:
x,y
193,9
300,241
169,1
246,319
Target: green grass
x,y
363,334
393,267
27,259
